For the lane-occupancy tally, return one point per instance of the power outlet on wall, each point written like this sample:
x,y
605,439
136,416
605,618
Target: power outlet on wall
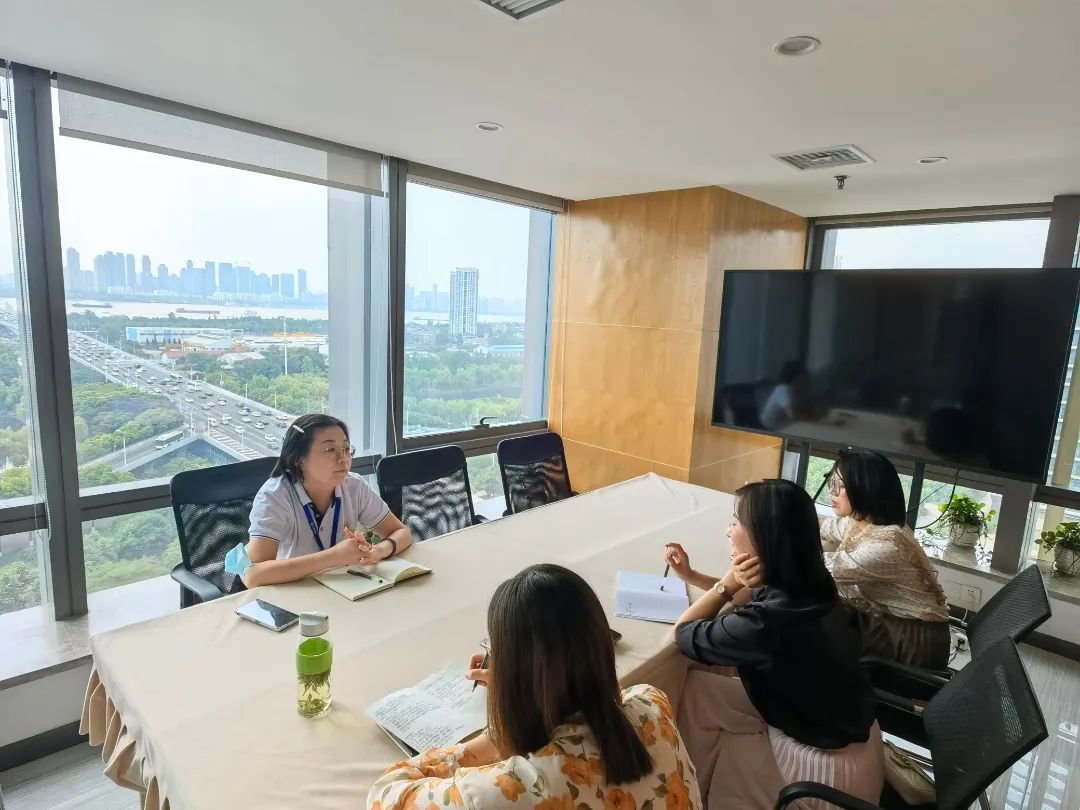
x,y
970,597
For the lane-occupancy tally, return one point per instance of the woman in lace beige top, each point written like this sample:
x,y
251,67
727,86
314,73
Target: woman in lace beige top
x,y
881,571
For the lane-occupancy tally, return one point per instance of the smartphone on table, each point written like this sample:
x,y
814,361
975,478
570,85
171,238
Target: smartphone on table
x,y
267,614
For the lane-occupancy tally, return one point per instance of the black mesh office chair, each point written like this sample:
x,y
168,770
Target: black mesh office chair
x,y
1013,612
212,508
980,724
534,471
429,490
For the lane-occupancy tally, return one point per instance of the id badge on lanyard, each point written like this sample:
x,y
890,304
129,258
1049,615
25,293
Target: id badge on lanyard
x,y
310,513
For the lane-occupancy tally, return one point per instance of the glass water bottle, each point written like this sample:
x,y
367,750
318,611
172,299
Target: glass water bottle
x,y
314,658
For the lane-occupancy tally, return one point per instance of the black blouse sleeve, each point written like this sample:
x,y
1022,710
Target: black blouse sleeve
x,y
738,639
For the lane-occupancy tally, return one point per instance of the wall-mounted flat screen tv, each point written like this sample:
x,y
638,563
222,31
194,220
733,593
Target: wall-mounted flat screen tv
x,y
959,368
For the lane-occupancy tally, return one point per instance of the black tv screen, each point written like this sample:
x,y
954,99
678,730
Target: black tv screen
x,y
960,368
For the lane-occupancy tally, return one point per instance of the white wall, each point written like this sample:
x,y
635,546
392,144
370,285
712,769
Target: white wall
x,y
38,706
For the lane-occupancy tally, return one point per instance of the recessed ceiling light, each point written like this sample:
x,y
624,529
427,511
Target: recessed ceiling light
x,y
489,126
797,46
929,161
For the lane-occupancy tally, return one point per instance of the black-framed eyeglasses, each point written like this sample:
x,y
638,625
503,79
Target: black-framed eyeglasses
x,y
836,485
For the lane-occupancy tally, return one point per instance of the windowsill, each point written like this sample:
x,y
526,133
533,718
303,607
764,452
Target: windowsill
x,y
33,644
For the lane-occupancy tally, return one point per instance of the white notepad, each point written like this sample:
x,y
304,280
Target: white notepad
x,y
638,596
441,710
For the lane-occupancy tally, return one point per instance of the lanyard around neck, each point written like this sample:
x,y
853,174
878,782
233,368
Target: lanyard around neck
x,y
309,511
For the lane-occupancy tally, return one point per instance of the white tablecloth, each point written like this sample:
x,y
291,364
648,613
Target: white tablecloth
x,y
198,709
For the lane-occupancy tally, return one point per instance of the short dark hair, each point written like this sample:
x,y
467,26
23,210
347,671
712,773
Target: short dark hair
x,y
873,487
783,525
552,657
297,443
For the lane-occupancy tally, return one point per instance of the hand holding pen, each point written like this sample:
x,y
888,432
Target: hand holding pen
x,y
478,669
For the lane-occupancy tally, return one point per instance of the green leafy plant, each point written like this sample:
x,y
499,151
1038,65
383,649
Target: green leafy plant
x,y
962,510
1065,535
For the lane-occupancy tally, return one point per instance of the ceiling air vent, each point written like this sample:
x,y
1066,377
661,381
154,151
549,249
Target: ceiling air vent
x,y
829,157
520,9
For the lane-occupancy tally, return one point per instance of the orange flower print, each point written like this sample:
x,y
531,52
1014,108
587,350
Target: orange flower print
x,y
410,797
453,795
617,799
376,805
564,802
432,764
580,771
662,703
510,787
648,739
667,731
678,796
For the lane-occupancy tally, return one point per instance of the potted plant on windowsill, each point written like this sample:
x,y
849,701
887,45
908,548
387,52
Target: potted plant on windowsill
x,y
1064,541
967,520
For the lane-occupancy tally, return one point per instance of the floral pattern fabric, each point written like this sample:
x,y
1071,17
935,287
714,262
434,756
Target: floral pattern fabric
x,y
566,774
882,570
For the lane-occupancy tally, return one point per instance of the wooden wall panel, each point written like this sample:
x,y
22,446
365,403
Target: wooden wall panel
x,y
636,314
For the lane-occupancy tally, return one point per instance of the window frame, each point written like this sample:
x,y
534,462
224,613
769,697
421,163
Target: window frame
x,y
1011,544
65,507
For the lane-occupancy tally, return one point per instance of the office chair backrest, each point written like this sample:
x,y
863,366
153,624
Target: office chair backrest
x,y
212,508
533,470
1013,612
428,489
980,723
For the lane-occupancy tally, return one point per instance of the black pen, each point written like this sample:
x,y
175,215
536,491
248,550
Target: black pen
x,y
362,574
483,665
667,568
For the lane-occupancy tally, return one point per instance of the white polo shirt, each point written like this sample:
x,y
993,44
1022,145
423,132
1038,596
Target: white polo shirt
x,y
278,514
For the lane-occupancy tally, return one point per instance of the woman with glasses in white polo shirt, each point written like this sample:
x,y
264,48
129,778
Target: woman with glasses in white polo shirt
x,y
312,513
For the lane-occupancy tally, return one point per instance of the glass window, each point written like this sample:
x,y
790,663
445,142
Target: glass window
x,y
819,468
129,548
476,311
1065,471
485,481
950,540
21,563
996,243
1042,517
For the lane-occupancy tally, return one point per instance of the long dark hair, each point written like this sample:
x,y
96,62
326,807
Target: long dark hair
x,y
873,487
783,526
297,443
551,658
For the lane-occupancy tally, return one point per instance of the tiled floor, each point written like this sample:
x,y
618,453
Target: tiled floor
x,y
1047,779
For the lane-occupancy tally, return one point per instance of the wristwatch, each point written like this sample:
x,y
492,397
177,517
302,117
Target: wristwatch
x,y
721,591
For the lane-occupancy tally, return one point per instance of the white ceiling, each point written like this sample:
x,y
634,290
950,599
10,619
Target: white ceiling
x,y
607,97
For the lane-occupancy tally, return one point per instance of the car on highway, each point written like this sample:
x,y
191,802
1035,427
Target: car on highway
x,y
157,390
239,429
271,439
222,402
260,423
245,419
211,421
188,399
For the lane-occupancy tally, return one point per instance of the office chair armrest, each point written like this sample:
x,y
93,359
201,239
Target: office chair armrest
x,y
917,683
816,790
204,591
479,519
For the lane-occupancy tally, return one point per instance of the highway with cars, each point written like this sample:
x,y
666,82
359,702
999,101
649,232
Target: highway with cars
x,y
247,428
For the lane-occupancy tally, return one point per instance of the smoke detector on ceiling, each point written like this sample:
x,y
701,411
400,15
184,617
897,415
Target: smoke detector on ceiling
x,y
520,9
829,157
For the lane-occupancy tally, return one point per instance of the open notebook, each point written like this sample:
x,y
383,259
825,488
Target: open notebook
x,y
441,710
639,596
357,581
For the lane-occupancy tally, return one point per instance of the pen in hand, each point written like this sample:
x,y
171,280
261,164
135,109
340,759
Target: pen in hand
x,y
667,569
483,665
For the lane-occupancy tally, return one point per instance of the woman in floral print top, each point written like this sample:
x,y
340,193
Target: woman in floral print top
x,y
560,734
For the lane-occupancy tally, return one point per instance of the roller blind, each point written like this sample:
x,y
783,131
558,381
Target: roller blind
x,y
106,114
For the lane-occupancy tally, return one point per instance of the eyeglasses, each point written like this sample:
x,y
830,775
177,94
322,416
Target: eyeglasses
x,y
337,452
836,484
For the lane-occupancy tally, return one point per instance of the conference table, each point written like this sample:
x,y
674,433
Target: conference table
x,y
197,709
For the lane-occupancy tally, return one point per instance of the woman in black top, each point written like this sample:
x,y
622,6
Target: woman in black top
x,y
800,698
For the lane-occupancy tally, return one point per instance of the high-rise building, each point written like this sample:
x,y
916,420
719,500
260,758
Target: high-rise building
x,y
464,283
210,280
129,276
275,283
244,277
226,277
301,283
288,285
146,266
72,270
162,278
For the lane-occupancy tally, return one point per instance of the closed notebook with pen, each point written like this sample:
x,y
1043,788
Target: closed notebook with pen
x,y
366,580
